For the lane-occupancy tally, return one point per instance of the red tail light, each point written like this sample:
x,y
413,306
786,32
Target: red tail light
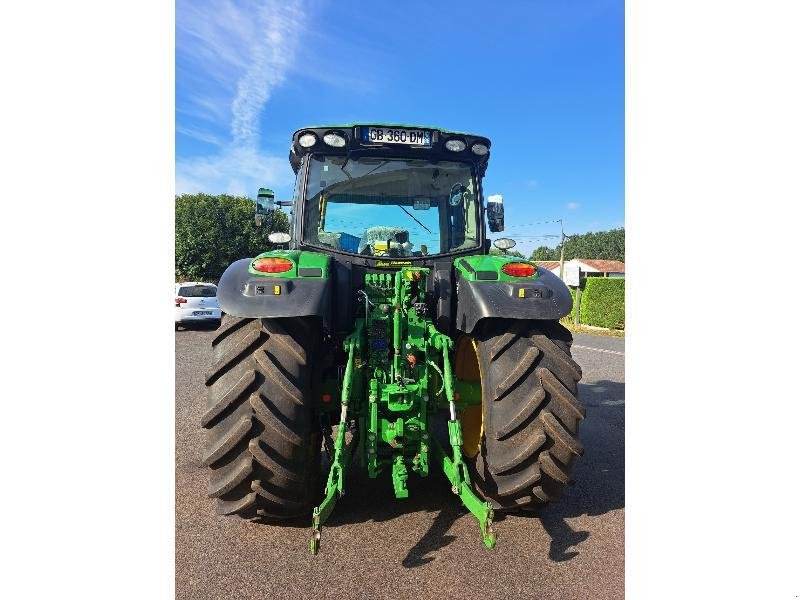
x,y
519,269
179,301
272,264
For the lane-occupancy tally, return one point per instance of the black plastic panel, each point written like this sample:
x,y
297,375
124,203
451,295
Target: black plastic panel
x,y
486,275
244,295
545,298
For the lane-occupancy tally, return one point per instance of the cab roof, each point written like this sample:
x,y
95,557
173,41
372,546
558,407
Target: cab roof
x,y
404,125
358,142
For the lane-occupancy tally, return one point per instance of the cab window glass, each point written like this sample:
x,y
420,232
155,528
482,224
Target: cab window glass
x,y
390,207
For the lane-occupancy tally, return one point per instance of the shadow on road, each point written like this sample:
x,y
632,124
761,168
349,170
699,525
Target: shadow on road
x,y
599,474
197,326
435,538
373,500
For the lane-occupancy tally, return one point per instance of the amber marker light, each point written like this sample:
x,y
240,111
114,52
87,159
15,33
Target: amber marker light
x,y
272,264
519,269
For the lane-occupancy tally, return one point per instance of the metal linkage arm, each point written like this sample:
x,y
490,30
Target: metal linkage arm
x,y
454,468
461,486
342,452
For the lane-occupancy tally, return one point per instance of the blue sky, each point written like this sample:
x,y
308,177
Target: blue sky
x,y
544,80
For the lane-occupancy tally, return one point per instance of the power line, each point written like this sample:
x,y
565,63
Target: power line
x,y
537,223
527,235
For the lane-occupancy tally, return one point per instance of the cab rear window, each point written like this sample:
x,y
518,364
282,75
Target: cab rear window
x,y
198,291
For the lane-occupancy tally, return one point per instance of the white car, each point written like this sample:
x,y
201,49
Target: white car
x,y
196,302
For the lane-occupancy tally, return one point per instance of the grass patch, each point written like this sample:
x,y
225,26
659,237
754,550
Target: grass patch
x,y
593,330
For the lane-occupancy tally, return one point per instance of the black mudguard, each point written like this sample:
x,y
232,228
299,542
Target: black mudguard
x,y
546,298
244,295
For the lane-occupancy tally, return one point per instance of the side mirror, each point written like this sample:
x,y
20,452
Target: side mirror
x,y
266,206
495,213
265,203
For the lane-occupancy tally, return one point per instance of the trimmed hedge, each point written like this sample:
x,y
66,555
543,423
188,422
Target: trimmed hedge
x,y
571,316
603,302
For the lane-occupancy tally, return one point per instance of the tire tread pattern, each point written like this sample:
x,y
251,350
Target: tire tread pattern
x,y
262,445
531,412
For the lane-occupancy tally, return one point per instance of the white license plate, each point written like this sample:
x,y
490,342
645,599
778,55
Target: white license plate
x,y
392,135
202,313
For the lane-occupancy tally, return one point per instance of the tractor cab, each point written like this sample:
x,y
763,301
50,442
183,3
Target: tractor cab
x,y
390,192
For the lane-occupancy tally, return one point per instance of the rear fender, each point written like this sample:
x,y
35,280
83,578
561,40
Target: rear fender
x,y
303,291
483,290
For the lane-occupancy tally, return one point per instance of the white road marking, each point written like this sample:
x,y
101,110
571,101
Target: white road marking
x,y
599,350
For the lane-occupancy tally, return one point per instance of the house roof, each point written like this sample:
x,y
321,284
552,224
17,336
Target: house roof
x,y
600,265
547,264
604,266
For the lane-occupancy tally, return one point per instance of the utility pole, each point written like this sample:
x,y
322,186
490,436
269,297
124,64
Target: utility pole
x,y
561,265
577,304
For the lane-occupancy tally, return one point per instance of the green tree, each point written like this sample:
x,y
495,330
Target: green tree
x,y
544,253
608,245
497,252
211,232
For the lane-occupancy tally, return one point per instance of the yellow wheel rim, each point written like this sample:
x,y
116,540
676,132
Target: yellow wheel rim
x,y
467,368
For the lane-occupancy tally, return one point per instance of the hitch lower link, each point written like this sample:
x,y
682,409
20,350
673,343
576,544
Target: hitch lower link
x,y
456,471
342,453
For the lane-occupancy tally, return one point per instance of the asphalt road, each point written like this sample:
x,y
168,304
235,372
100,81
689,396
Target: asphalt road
x,y
375,546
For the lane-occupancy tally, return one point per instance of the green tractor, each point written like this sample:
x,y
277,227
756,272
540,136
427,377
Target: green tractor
x,y
382,332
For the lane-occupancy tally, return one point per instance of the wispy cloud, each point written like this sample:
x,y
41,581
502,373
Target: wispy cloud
x,y
573,205
532,183
203,136
272,54
246,46
237,170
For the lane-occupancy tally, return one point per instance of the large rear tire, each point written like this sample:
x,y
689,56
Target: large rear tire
x,y
262,442
527,441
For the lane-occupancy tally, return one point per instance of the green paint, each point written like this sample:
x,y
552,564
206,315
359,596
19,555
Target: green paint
x,y
399,477
468,392
468,267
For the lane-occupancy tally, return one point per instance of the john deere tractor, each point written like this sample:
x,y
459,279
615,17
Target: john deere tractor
x,y
381,333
